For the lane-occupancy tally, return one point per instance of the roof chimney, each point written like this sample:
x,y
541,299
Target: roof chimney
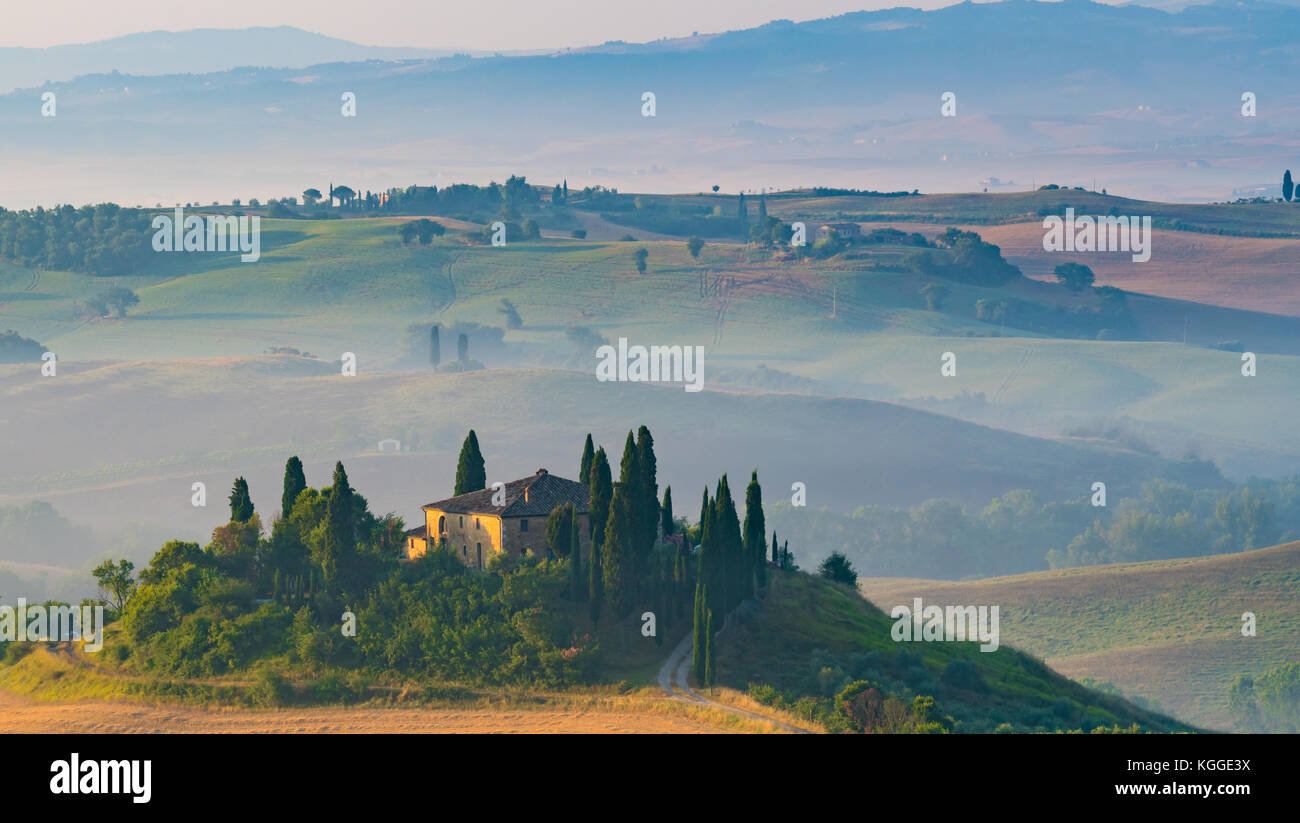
x,y
541,471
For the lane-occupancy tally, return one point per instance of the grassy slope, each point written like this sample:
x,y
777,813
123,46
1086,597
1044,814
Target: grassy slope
x,y
804,613
1167,629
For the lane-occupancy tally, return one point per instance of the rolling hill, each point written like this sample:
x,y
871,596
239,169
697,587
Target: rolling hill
x,y
1169,630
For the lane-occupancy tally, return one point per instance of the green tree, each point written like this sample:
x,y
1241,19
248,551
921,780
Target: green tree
x,y
462,348
116,582
559,529
588,455
241,505
294,482
595,584
755,531
1288,188
647,490
602,489
471,472
340,544
695,245
435,347
1074,276
838,568
711,652
616,554
577,584
640,256
666,512
699,644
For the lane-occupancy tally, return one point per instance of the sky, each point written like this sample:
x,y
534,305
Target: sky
x,y
502,25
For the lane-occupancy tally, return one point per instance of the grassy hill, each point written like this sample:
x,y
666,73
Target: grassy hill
x,y
1169,630
811,638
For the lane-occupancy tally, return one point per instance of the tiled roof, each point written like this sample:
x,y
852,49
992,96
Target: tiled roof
x,y
533,496
416,532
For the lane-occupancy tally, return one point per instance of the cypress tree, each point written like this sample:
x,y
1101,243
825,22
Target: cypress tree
x,y
294,482
755,530
471,473
666,512
595,584
698,642
462,347
435,347
340,535
629,476
588,455
731,550
577,584
602,489
776,556
241,504
711,652
649,488
616,554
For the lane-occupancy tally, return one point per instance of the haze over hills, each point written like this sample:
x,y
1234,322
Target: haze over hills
x,y
1140,101
198,51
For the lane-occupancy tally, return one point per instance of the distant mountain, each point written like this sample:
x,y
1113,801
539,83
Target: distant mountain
x,y
1143,102
189,52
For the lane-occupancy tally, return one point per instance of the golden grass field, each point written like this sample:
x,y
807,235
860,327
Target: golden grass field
x,y
25,715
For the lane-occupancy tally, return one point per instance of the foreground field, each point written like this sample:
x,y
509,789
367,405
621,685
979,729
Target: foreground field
x,y
22,715
1169,630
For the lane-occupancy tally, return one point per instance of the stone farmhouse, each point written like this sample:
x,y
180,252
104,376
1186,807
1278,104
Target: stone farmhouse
x,y
473,527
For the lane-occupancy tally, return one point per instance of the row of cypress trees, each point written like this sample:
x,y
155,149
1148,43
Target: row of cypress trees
x,y
732,566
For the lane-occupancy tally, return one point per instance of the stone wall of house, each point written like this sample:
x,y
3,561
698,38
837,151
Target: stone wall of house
x,y
533,538
472,537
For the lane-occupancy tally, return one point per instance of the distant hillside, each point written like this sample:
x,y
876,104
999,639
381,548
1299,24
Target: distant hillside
x,y
1141,101
198,51
1169,630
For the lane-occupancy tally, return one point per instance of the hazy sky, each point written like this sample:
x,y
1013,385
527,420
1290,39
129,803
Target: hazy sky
x,y
500,24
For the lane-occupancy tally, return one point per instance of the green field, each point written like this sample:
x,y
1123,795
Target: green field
x,y
1169,630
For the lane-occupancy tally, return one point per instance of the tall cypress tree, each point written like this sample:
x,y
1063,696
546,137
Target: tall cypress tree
x,y
241,504
340,536
294,482
710,653
471,472
602,489
588,455
666,512
649,490
577,584
435,347
595,584
629,477
698,643
616,554
731,549
755,531
776,557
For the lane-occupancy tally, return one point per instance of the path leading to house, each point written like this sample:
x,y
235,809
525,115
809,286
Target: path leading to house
x,y
673,680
